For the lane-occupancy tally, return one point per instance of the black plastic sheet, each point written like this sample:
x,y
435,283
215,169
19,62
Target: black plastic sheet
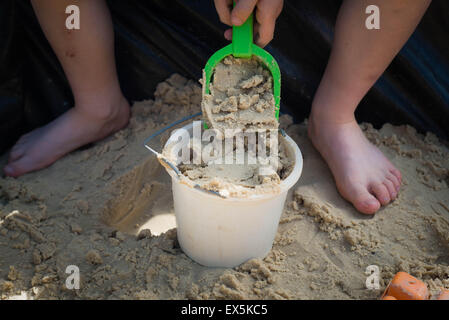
x,y
157,38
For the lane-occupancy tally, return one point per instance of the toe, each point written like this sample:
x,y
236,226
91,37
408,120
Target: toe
x,y
381,193
397,174
19,167
366,203
362,200
395,181
391,189
10,170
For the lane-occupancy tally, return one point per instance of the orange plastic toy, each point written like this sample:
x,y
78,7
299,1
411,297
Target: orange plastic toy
x,y
406,287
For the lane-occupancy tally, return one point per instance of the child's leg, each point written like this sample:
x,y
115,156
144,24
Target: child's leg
x,y
359,56
87,57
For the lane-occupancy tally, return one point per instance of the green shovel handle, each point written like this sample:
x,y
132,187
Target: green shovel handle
x,y
242,39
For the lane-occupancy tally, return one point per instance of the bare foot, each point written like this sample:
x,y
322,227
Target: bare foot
x,y
364,176
75,128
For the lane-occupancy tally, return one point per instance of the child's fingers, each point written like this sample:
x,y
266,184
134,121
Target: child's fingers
x,y
266,14
228,34
224,8
264,33
241,11
265,17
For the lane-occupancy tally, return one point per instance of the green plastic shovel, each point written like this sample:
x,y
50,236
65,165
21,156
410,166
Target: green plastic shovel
x,y
242,46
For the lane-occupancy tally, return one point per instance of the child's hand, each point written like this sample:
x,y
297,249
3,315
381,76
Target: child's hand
x,y
266,14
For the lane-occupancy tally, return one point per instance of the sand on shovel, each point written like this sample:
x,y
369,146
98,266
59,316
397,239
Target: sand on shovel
x,y
241,96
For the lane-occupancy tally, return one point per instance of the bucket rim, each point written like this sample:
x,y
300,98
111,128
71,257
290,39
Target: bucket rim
x,y
285,184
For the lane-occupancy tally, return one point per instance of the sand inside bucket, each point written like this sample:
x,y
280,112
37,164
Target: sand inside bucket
x,y
237,180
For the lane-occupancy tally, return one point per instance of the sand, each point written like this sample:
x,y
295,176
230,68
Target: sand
x,y
92,209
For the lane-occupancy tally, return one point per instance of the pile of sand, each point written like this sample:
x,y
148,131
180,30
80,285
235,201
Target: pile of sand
x,y
57,217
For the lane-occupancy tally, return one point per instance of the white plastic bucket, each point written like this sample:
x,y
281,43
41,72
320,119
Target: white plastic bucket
x,y
218,232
